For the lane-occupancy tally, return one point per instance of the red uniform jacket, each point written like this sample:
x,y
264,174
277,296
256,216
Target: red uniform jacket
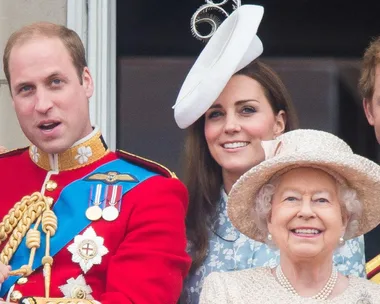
x,y
146,260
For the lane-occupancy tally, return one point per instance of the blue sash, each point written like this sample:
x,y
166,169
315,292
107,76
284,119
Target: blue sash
x,y
70,210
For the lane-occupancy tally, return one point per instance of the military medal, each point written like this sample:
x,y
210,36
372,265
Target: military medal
x,y
113,197
94,212
87,249
110,213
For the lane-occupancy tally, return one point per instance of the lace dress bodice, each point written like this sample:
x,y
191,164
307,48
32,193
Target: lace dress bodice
x,y
260,286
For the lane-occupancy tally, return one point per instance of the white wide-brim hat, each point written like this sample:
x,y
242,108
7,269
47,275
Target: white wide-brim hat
x,y
307,148
232,47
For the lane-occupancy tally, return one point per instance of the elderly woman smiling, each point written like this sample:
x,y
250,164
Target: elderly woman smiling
x,y
309,196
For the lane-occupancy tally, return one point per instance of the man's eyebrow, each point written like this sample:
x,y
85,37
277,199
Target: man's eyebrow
x,y
54,75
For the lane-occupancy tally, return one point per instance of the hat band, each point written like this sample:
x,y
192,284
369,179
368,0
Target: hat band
x,y
340,179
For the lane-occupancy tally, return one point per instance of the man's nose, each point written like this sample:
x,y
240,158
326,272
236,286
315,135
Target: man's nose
x,y
43,101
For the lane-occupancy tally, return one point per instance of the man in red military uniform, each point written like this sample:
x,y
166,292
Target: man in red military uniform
x,y
80,224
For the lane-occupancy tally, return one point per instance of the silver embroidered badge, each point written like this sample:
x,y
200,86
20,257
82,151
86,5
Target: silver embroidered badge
x,y
84,153
87,249
76,289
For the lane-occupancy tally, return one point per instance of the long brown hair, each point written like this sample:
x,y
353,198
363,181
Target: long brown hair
x,y
203,175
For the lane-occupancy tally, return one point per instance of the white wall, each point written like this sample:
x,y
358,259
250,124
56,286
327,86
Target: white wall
x,y
13,15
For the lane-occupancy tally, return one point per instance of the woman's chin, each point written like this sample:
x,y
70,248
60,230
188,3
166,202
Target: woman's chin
x,y
305,251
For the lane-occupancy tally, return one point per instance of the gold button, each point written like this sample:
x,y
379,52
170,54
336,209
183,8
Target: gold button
x,y
16,295
22,280
51,185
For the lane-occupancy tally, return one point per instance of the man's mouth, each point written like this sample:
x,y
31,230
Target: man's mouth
x,y
48,126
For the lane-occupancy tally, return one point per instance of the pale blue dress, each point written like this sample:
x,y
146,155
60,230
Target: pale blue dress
x,y
231,250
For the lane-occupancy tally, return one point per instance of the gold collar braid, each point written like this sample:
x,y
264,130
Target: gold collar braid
x,y
82,153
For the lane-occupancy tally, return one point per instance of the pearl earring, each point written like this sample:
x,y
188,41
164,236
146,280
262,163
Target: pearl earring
x,y
341,240
269,237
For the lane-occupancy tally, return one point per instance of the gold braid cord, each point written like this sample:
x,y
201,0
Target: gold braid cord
x,y
14,215
35,300
17,223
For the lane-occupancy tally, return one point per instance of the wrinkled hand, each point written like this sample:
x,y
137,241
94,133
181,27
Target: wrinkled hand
x,y
2,149
4,272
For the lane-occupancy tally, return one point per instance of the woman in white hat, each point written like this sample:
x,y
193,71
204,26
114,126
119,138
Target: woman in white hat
x,y
309,196
228,104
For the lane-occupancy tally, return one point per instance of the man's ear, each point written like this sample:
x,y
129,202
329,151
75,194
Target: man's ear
x,y
87,81
367,106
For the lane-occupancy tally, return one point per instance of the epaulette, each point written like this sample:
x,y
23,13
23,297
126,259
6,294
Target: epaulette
x,y
146,163
13,152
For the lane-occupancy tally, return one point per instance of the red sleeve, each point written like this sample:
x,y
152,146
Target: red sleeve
x,y
151,262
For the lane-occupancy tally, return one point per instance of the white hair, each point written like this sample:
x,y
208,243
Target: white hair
x,y
350,205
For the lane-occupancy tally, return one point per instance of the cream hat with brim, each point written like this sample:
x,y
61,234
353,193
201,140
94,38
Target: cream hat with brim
x,y
307,148
232,47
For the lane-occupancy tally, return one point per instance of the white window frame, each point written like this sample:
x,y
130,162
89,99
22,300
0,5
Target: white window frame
x,y
95,23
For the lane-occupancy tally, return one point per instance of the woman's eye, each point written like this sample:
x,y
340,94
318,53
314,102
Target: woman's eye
x,y
214,114
249,110
322,200
291,199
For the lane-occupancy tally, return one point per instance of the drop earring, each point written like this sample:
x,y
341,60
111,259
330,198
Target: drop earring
x,y
269,237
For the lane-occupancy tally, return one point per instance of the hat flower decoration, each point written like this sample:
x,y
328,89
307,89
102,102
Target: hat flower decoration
x,y
231,46
204,15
